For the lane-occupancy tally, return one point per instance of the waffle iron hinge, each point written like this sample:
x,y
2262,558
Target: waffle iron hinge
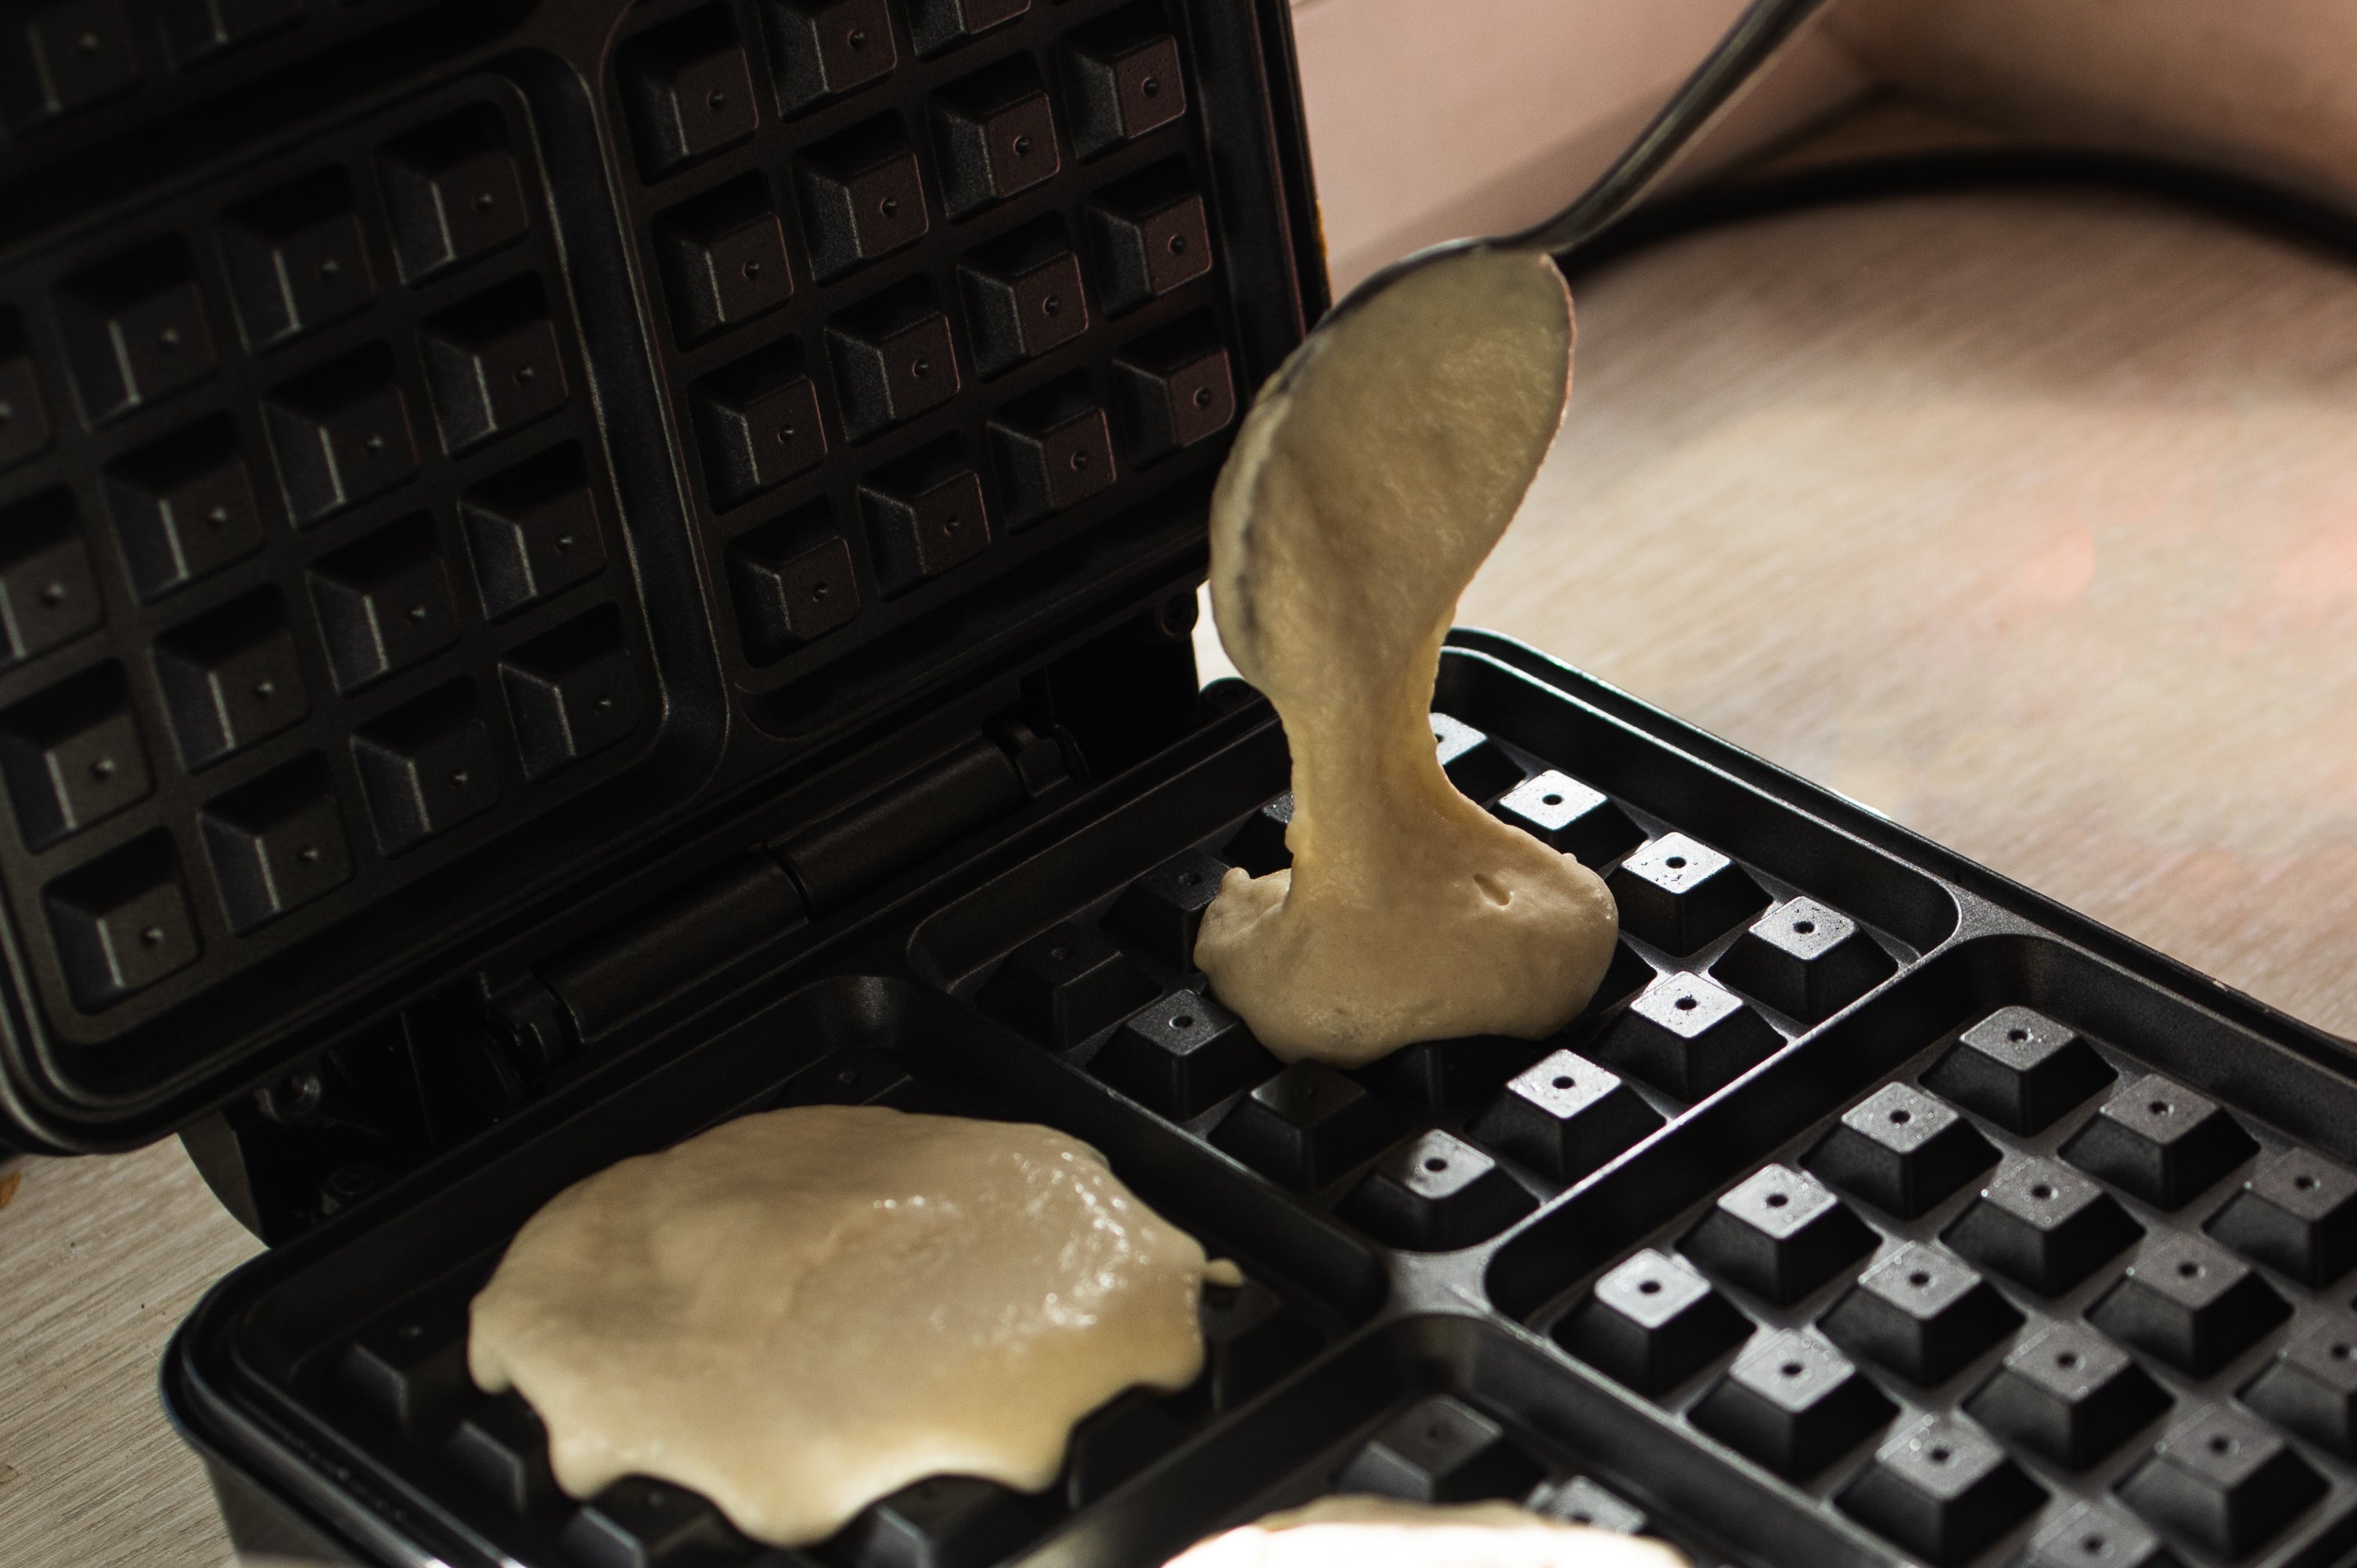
x,y
330,1133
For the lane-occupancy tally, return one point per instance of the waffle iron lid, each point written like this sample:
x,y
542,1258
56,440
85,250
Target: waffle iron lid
x,y
447,450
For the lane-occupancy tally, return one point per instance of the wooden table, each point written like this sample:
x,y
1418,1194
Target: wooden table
x,y
2030,519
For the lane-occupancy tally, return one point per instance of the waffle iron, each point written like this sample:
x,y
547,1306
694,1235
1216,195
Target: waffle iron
x,y
570,572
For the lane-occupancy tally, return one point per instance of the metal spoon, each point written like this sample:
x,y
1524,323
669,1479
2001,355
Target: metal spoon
x,y
1732,65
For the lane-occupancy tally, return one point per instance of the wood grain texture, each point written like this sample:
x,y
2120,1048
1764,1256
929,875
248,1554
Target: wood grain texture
x,y
99,1260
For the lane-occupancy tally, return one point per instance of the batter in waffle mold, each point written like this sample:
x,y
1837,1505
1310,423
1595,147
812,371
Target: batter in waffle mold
x,y
1376,470
803,1310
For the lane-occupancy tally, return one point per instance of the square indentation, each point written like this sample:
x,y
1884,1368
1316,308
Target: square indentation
x,y
72,756
48,596
502,1448
723,259
1476,765
1780,1234
81,53
494,365
1921,1313
637,1522
690,90
1440,1450
2192,1302
123,922
1440,1075
1151,234
1687,1036
427,767
940,1519
1259,844
1023,296
2299,1214
409,1366
926,515
276,844
1625,978
758,424
1902,1151
1250,1339
1122,80
1054,449
2043,1225
1306,1126
938,25
296,260
183,508
824,49
1161,912
230,678
1064,986
1435,1194
2093,1536
1570,818
1581,1501
572,693
2019,1068
2159,1141
893,360
1653,1322
384,603
997,133
862,198
1176,389
534,530
1565,1116
1181,1054
2222,1482
1681,895
1806,960
2067,1394
2311,1387
1943,1490
135,329
1794,1405
452,192
342,434
196,31
795,581
25,428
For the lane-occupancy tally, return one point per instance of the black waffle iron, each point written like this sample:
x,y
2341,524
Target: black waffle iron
x,y
569,571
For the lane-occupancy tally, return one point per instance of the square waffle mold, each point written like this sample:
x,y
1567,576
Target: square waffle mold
x,y
1947,1230
449,454
317,584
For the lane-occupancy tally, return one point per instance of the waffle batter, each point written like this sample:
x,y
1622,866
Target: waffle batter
x,y
1375,471
801,1311
1378,1533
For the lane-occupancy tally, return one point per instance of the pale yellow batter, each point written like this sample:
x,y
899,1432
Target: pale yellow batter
x,y
1379,1533
799,1312
1376,470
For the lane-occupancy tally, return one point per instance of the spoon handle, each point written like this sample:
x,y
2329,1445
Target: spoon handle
x,y
1732,65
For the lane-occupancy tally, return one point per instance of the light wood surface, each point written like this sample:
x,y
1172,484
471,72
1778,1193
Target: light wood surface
x,y
99,1261
2031,521
2027,519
